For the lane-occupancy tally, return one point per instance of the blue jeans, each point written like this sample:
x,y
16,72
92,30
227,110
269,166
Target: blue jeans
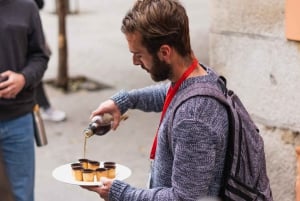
x,y
17,146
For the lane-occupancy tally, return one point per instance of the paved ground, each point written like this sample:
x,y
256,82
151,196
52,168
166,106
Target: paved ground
x,y
98,50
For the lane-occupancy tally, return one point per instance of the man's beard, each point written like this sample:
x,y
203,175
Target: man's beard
x,y
160,70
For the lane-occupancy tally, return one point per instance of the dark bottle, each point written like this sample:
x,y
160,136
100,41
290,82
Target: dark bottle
x,y
100,125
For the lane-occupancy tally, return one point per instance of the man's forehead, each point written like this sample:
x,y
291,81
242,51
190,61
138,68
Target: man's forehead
x,y
134,42
134,37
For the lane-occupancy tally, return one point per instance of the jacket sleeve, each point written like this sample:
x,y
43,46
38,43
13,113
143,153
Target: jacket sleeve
x,y
37,53
148,99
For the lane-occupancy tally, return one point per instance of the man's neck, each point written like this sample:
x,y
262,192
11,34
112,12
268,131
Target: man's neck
x,y
180,65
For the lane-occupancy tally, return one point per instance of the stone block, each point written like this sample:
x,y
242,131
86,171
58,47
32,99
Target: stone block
x,y
254,17
264,73
281,164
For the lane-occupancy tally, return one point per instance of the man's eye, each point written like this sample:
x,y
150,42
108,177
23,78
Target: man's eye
x,y
137,56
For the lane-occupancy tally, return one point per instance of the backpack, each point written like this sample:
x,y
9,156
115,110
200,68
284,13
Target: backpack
x,y
245,176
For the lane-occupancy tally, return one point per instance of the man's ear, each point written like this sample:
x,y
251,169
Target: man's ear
x,y
164,53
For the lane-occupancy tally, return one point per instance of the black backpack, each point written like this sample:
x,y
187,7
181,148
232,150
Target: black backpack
x,y
245,175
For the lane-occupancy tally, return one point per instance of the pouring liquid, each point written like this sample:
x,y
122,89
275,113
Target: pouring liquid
x,y
98,127
84,146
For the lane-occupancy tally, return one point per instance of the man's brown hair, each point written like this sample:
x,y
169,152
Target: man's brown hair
x,y
159,22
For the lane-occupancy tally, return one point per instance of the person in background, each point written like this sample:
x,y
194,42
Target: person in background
x,y
188,152
47,111
23,61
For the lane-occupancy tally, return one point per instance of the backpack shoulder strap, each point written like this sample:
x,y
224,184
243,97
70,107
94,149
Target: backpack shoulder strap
x,y
202,89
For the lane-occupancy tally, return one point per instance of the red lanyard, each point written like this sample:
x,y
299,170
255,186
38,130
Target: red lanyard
x,y
171,93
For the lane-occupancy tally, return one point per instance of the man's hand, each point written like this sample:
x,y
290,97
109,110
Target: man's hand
x,y
10,88
101,190
110,107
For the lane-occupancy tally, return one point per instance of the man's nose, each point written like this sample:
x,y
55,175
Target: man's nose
x,y
136,61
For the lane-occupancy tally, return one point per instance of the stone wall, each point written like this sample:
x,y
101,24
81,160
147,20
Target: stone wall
x,y
248,46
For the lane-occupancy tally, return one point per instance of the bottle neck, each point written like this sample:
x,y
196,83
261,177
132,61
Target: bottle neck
x,y
88,132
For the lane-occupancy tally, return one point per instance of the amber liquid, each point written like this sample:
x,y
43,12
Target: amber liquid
x,y
99,130
84,146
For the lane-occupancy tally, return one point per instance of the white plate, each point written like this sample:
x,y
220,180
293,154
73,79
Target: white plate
x,y
64,174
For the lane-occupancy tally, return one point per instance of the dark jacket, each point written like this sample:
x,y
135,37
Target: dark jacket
x,y
40,3
22,50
